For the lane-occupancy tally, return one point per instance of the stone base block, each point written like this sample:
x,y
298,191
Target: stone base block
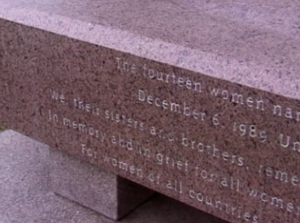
x,y
94,188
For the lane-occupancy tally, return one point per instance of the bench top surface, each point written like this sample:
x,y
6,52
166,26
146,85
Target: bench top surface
x,y
254,43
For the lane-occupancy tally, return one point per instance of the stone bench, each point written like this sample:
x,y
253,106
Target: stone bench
x,y
197,101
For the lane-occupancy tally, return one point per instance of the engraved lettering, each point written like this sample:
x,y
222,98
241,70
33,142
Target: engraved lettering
x,y
285,142
288,113
237,98
124,166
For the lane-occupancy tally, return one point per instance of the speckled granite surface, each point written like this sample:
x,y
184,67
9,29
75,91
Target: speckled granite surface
x,y
198,101
26,196
101,191
254,43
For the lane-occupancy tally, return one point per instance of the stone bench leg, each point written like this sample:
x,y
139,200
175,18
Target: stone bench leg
x,y
91,187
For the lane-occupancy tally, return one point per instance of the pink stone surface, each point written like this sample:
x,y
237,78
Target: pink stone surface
x,y
103,192
26,194
199,102
253,43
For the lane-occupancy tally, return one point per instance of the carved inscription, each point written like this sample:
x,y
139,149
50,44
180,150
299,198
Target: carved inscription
x,y
216,165
215,158
218,147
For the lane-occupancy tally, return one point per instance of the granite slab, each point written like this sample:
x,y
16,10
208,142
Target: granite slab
x,y
196,100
